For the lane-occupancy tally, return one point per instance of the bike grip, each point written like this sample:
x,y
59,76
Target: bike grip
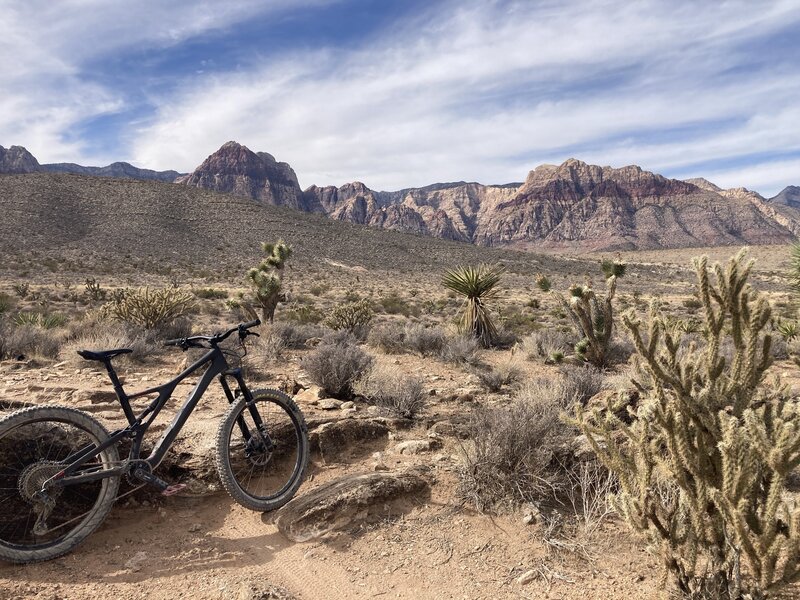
x,y
173,342
255,323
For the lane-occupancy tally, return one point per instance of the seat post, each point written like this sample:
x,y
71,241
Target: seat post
x,y
123,398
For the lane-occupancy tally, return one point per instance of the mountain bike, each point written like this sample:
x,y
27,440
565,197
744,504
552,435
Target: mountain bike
x,y
60,468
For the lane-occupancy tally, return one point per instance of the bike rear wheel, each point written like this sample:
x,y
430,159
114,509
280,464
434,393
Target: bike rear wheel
x,y
262,466
34,442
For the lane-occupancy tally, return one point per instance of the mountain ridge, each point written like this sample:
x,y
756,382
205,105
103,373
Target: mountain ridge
x,y
567,206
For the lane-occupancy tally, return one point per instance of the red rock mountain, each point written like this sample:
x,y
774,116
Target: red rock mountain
x,y
573,205
237,170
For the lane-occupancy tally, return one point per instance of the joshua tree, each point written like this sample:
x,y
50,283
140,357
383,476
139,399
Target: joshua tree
x,y
477,285
267,278
591,314
704,460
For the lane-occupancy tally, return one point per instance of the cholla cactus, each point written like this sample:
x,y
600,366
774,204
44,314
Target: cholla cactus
x,y
149,308
591,314
267,278
704,460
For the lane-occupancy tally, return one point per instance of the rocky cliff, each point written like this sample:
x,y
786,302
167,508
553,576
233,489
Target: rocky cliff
x,y
237,170
17,159
570,205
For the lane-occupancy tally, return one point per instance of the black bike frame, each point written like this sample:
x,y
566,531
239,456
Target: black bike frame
x,y
138,426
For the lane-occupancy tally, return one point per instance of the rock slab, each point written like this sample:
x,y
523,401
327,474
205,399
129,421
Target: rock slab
x,y
345,501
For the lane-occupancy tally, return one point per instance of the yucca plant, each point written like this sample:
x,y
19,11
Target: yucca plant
x,y
267,278
794,269
477,285
787,329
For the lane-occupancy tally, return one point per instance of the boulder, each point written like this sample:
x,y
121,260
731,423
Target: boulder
x,y
343,502
417,446
333,437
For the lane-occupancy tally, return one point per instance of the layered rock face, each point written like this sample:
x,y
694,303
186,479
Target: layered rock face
x,y
601,208
570,205
17,159
237,170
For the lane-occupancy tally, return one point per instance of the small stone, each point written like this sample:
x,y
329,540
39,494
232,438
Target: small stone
x,y
195,528
416,446
348,405
527,577
330,404
135,562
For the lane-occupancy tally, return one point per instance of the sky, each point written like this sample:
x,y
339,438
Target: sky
x,y
402,93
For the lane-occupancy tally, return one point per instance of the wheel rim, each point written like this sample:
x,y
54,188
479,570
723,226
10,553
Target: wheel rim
x,y
259,472
30,454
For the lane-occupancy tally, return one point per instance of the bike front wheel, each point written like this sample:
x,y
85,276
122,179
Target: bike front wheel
x,y
38,520
262,450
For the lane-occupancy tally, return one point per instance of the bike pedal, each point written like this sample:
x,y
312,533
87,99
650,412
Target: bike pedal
x,y
174,489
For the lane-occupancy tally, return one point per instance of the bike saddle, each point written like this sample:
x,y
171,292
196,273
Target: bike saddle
x,y
103,355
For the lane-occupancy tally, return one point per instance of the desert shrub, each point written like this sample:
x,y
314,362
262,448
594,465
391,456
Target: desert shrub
x,y
426,341
461,350
25,341
354,317
6,303
704,466
318,289
295,336
393,304
494,380
581,382
516,453
545,343
389,337
304,313
412,337
210,293
110,336
150,308
335,364
387,387
692,303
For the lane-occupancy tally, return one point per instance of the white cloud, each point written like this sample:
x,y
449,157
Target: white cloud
x,y
488,92
45,46
464,90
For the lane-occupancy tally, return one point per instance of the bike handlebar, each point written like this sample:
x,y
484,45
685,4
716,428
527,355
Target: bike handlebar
x,y
213,340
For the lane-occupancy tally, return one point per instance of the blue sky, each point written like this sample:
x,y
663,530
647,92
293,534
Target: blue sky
x,y
404,93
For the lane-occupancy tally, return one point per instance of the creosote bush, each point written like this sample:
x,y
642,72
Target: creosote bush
x,y
461,350
295,336
411,337
507,374
703,464
336,363
546,344
516,453
387,387
26,341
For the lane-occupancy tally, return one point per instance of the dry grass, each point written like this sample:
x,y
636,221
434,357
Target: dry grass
x,y
336,363
388,387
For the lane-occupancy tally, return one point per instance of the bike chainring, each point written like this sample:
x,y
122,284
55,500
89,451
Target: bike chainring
x,y
132,466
